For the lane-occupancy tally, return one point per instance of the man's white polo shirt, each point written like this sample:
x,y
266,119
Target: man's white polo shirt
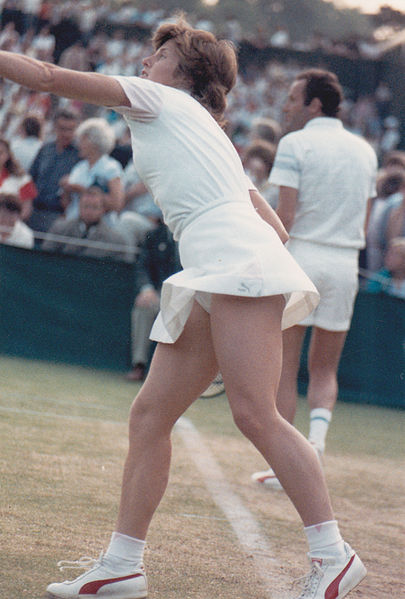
x,y
335,173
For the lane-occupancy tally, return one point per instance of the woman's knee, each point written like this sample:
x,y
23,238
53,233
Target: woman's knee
x,y
146,417
252,419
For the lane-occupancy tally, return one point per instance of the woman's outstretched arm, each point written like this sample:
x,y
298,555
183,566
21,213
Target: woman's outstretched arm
x,y
92,88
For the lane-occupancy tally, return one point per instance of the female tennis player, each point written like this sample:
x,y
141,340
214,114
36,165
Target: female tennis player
x,y
224,311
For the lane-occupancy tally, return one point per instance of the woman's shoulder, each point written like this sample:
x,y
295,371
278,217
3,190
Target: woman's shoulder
x,y
149,98
146,98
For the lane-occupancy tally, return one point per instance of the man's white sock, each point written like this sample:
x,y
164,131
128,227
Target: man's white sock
x,y
319,420
324,540
123,548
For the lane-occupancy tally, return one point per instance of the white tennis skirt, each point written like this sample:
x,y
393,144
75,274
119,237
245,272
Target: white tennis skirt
x,y
231,250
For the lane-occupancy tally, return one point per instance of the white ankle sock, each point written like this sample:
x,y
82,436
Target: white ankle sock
x,y
319,420
324,540
123,547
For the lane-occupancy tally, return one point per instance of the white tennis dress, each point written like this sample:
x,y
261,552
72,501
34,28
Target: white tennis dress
x,y
196,178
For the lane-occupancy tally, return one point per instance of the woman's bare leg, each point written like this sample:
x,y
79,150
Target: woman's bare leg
x,y
287,391
179,373
247,339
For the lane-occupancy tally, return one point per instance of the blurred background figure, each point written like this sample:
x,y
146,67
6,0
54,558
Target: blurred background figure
x,y
95,139
258,160
134,226
266,129
54,160
26,145
390,183
391,135
88,226
391,278
13,231
15,180
157,260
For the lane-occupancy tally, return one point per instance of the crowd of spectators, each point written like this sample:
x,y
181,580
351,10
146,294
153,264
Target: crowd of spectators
x,y
58,157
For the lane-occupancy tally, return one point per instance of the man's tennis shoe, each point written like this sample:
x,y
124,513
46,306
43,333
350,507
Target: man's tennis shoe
x,y
268,479
101,581
330,578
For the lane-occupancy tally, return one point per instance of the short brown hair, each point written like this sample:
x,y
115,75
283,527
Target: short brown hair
x,y
208,64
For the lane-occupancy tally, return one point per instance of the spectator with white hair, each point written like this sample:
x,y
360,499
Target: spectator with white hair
x,y
95,139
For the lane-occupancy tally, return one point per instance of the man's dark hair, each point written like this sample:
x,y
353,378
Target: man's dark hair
x,y
325,86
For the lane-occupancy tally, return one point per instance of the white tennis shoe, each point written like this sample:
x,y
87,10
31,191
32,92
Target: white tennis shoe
x,y
100,581
332,579
268,479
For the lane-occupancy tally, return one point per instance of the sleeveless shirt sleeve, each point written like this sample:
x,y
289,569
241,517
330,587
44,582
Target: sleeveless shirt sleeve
x,y
146,98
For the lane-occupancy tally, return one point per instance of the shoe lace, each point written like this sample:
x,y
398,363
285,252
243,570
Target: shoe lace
x,y
309,582
84,563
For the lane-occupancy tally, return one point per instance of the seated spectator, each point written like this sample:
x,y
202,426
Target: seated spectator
x,y
26,146
95,139
258,161
394,160
389,185
158,259
54,160
137,196
14,180
280,38
88,226
134,226
391,279
9,38
75,57
391,135
266,129
43,44
393,218
12,230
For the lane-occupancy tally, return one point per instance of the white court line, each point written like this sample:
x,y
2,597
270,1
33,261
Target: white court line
x,y
60,402
27,412
242,521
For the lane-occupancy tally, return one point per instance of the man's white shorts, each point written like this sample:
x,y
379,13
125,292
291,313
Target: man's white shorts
x,y
334,272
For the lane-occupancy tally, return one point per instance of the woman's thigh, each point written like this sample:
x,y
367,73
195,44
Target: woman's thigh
x,y
179,372
247,340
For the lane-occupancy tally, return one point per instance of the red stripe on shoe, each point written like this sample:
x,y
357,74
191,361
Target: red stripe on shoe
x,y
92,588
332,592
